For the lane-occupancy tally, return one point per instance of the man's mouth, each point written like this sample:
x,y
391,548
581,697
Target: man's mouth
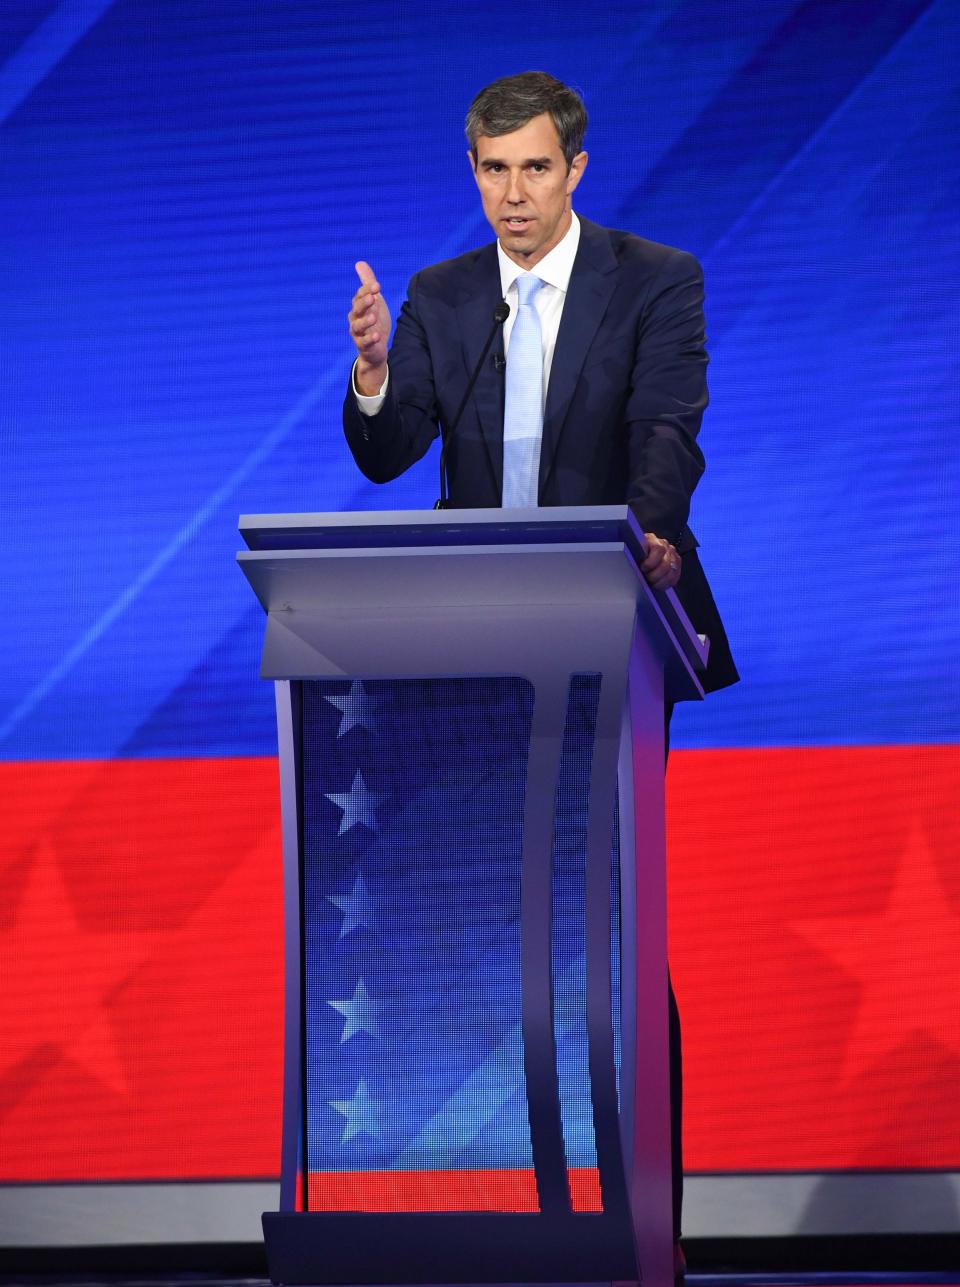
x,y
517,222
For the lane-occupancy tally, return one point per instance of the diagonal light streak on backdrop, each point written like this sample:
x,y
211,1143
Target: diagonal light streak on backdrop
x,y
44,48
169,551
478,1099
813,141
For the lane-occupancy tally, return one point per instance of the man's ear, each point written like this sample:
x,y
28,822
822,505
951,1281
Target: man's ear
x,y
575,173
473,162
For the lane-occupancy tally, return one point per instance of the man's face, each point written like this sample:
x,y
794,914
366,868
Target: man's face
x,y
525,187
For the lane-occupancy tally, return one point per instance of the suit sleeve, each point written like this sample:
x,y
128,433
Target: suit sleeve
x,y
667,398
387,444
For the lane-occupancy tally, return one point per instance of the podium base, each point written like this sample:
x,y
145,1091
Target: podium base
x,y
365,1248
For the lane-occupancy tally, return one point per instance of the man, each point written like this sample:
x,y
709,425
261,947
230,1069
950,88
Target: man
x,y
600,397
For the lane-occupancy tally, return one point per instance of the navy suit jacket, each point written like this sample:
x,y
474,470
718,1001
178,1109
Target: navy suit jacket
x,y
626,395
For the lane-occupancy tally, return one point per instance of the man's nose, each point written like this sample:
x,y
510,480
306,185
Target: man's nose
x,y
515,193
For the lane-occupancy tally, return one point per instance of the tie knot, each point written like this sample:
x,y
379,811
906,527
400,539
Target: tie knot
x,y
527,287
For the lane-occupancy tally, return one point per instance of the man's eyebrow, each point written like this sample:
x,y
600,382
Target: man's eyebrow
x,y
490,161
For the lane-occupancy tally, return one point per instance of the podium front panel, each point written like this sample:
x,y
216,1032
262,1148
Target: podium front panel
x,y
415,1095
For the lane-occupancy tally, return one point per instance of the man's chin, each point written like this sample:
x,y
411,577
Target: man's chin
x,y
520,241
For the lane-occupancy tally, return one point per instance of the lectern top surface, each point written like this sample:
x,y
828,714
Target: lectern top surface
x,y
583,524
292,555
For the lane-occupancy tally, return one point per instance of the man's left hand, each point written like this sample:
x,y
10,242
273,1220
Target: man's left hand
x,y
662,565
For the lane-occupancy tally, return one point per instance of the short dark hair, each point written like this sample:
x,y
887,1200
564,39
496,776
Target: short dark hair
x,y
507,104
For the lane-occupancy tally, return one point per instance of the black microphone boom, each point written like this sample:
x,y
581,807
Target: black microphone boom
x,y
500,315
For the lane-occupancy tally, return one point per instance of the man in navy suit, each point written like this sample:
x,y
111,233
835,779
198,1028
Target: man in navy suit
x,y
623,360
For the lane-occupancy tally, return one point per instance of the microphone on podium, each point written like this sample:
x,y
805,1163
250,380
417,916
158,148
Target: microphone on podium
x,y
500,315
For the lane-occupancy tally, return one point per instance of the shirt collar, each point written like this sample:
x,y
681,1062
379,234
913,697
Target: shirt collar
x,y
554,268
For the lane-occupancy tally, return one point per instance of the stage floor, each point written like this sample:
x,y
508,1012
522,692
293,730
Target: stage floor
x,y
693,1280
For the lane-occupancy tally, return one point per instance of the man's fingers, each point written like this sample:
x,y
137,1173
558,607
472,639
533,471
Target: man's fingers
x,y
361,321
362,317
366,297
364,300
663,577
662,564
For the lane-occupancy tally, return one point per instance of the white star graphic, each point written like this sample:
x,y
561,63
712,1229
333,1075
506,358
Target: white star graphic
x,y
357,908
356,707
359,805
360,1112
360,1012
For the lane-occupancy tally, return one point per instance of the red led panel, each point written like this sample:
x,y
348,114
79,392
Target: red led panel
x,y
815,917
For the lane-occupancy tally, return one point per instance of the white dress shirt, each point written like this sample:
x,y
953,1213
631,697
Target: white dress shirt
x,y
554,271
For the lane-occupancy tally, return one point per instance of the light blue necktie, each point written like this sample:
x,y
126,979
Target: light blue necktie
x,y
523,405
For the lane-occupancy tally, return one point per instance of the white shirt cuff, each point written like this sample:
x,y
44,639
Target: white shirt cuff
x,y
371,404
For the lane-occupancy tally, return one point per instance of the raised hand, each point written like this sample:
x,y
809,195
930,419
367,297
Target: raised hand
x,y
369,320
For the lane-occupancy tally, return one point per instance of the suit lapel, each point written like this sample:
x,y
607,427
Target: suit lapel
x,y
478,297
592,282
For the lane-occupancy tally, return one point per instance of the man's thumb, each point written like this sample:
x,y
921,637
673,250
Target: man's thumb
x,y
365,273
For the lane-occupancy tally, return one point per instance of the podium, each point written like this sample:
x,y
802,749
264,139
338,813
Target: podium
x,y
471,739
